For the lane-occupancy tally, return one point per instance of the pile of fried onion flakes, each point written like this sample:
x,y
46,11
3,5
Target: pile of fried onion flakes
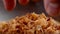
x,y
30,23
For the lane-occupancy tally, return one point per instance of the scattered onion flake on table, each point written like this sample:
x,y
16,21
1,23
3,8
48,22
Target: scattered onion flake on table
x,y
30,23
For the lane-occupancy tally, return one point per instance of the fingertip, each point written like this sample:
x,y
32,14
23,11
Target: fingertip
x,y
9,4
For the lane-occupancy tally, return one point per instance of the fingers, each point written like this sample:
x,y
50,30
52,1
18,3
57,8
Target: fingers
x,y
9,4
23,2
52,7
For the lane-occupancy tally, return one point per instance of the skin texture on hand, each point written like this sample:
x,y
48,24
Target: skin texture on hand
x,y
23,2
52,7
9,4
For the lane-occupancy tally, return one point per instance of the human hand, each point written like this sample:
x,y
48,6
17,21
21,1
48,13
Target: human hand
x,y
52,7
11,4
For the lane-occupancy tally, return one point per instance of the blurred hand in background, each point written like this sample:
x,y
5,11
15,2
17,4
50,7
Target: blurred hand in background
x,y
52,7
11,4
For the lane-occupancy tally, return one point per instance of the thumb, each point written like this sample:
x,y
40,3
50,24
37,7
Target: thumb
x,y
52,7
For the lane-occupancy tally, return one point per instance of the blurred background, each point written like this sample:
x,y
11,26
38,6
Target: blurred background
x,y
21,10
